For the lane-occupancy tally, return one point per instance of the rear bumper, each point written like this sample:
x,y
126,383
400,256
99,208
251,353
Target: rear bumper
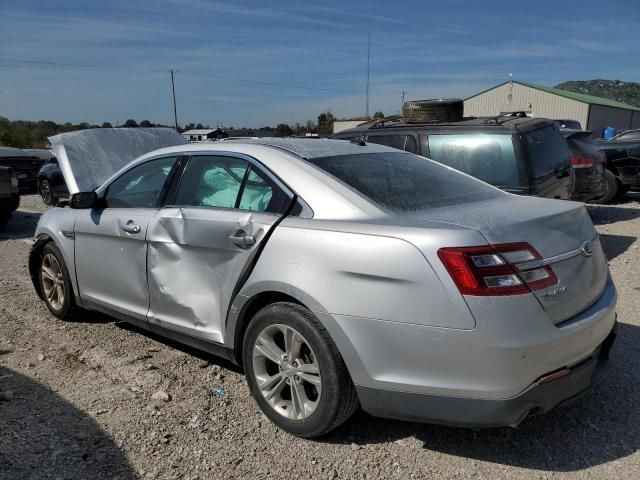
x,y
630,174
588,185
9,204
540,397
27,185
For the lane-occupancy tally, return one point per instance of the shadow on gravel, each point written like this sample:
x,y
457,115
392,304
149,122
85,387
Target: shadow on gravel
x,y
21,226
194,352
602,215
614,245
43,436
601,427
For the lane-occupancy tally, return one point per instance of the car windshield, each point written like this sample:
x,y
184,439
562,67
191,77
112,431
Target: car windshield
x,y
488,157
404,182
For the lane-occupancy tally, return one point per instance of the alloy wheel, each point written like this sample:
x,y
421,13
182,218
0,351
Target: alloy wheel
x,y
52,281
45,192
286,372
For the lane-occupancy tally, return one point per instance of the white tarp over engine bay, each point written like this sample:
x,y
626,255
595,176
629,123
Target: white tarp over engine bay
x,y
89,157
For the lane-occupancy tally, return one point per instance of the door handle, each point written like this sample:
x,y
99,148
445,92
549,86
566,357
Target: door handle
x,y
242,240
130,227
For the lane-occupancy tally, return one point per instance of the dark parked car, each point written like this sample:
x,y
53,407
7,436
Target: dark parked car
x,y
9,195
623,163
587,167
527,156
25,165
51,184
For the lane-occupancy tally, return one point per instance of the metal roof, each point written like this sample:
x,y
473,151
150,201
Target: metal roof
x,y
199,131
578,97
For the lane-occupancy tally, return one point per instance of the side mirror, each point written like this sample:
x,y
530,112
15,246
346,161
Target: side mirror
x,y
83,200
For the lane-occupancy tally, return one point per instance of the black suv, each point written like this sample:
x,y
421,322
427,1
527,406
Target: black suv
x,y
520,155
9,196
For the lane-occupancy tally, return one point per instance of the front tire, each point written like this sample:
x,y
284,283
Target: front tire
x,y
295,372
46,193
55,283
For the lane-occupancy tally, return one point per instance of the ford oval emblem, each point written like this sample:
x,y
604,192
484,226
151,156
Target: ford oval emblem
x,y
586,248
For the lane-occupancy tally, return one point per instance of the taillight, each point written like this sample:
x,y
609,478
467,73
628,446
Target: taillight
x,y
582,162
496,269
14,184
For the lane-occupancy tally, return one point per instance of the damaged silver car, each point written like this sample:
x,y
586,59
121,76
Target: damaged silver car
x,y
336,273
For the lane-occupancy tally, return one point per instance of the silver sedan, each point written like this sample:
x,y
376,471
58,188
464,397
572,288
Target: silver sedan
x,y
339,274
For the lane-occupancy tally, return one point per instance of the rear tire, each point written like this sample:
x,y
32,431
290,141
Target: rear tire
x,y
326,398
4,219
55,283
612,188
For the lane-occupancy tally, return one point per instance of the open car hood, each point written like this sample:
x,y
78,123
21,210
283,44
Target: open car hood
x,y
89,157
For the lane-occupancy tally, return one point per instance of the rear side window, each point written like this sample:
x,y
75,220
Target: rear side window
x,y
490,158
403,182
547,151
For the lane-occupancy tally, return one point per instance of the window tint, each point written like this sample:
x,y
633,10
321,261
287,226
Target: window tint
x,y
490,158
629,136
211,182
401,142
410,144
140,187
404,182
547,150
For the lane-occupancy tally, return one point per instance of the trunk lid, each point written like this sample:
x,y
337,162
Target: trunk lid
x,y
561,232
89,157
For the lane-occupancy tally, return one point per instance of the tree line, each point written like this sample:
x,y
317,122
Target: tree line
x,y
30,134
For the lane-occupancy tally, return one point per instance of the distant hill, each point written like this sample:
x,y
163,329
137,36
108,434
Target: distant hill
x,y
627,92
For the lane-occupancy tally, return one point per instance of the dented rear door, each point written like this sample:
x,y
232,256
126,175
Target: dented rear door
x,y
199,247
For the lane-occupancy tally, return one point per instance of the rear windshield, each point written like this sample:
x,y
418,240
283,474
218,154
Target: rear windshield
x,y
404,182
547,150
490,158
583,144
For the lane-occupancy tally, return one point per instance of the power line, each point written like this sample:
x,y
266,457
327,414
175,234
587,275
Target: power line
x,y
61,64
257,82
190,73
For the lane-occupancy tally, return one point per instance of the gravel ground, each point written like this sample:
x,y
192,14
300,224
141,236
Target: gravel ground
x,y
77,401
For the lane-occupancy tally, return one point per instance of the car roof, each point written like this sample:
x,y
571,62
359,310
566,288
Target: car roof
x,y
306,148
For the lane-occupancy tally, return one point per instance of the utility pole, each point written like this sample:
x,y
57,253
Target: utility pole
x,y
402,104
368,71
173,89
